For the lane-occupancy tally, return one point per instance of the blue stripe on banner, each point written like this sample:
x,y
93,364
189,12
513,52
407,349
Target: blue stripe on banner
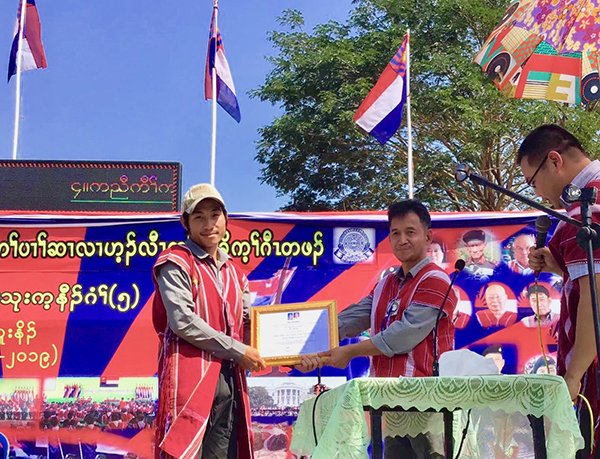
x,y
88,350
389,125
226,99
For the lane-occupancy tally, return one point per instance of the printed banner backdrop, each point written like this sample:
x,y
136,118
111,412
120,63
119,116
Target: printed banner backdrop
x,y
78,351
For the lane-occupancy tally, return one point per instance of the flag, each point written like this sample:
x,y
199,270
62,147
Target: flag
x,y
32,50
215,58
264,291
380,114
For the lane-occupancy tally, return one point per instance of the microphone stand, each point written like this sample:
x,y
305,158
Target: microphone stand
x,y
436,363
588,236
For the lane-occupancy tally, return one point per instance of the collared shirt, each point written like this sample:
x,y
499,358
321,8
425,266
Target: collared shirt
x,y
175,288
589,173
531,321
402,335
585,176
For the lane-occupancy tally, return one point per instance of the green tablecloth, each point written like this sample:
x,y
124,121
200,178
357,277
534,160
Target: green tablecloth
x,y
498,423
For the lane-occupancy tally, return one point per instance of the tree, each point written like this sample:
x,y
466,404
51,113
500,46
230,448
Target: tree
x,y
259,396
315,154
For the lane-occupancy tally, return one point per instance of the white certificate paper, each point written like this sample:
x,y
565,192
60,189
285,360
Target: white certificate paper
x,y
289,333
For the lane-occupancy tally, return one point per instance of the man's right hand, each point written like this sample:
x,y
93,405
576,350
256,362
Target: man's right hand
x,y
542,260
252,360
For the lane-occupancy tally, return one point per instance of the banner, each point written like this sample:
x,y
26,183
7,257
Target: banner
x,y
78,351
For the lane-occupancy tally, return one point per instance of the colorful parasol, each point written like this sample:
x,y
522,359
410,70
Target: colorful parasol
x,y
546,49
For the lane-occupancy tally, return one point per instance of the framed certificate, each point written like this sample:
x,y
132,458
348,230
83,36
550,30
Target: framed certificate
x,y
284,332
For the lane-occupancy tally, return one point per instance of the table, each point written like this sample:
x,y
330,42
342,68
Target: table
x,y
499,425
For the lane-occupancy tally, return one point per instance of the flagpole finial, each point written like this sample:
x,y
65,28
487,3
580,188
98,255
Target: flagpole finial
x,y
216,3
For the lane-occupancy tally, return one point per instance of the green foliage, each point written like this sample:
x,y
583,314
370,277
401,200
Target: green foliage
x,y
315,154
259,396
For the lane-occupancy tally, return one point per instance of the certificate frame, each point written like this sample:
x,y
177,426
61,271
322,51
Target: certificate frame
x,y
258,312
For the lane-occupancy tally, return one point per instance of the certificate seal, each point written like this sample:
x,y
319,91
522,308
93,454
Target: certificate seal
x,y
353,246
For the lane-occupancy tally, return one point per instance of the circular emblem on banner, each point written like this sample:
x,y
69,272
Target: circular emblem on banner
x,y
353,246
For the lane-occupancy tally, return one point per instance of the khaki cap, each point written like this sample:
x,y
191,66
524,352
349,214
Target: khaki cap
x,y
198,193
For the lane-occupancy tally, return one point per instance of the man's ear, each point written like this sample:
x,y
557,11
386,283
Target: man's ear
x,y
555,159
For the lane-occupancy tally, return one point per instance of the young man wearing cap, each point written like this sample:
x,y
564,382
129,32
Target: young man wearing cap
x,y
551,158
543,301
477,265
201,314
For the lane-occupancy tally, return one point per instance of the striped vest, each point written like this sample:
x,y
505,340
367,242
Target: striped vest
x,y
428,288
187,376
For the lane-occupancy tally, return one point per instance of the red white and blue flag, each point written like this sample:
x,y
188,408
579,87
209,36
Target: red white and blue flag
x,y
380,114
32,51
216,59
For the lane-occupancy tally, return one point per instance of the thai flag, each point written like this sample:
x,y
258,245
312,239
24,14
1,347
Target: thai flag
x,y
32,50
380,114
216,59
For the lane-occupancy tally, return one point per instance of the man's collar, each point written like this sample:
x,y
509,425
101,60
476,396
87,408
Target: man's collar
x,y
585,176
415,269
199,252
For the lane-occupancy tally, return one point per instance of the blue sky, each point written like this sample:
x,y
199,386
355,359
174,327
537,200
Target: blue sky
x,y
125,82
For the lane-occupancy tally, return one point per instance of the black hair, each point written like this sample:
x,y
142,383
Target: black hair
x,y
403,208
544,139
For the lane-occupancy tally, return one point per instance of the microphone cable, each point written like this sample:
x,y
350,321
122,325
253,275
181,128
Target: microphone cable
x,y
589,407
539,325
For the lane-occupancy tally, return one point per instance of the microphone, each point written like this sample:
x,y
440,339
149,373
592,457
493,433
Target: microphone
x,y
458,267
542,225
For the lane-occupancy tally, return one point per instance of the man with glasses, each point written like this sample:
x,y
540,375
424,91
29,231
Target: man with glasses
x,y
552,158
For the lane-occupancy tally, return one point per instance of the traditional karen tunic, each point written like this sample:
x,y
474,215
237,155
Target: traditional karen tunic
x,y
487,319
391,297
187,375
573,261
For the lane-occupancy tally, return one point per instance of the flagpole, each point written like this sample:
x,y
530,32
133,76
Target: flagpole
x,y
18,90
411,192
213,148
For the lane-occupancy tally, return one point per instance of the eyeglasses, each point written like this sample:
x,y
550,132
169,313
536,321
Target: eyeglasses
x,y
531,181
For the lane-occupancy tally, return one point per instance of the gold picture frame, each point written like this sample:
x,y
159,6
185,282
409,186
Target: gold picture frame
x,y
280,331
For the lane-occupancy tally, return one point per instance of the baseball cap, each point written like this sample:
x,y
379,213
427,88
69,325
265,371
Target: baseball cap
x,y
493,349
540,289
198,193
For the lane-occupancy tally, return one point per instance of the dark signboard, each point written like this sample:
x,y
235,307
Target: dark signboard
x,y
89,186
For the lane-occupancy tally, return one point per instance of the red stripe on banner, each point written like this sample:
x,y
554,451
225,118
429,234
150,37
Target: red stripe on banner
x,y
127,360
354,284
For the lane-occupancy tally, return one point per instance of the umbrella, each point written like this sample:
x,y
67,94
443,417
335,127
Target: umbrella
x,y
546,49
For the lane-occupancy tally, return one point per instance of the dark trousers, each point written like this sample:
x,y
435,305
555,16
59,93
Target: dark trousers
x,y
420,447
220,439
